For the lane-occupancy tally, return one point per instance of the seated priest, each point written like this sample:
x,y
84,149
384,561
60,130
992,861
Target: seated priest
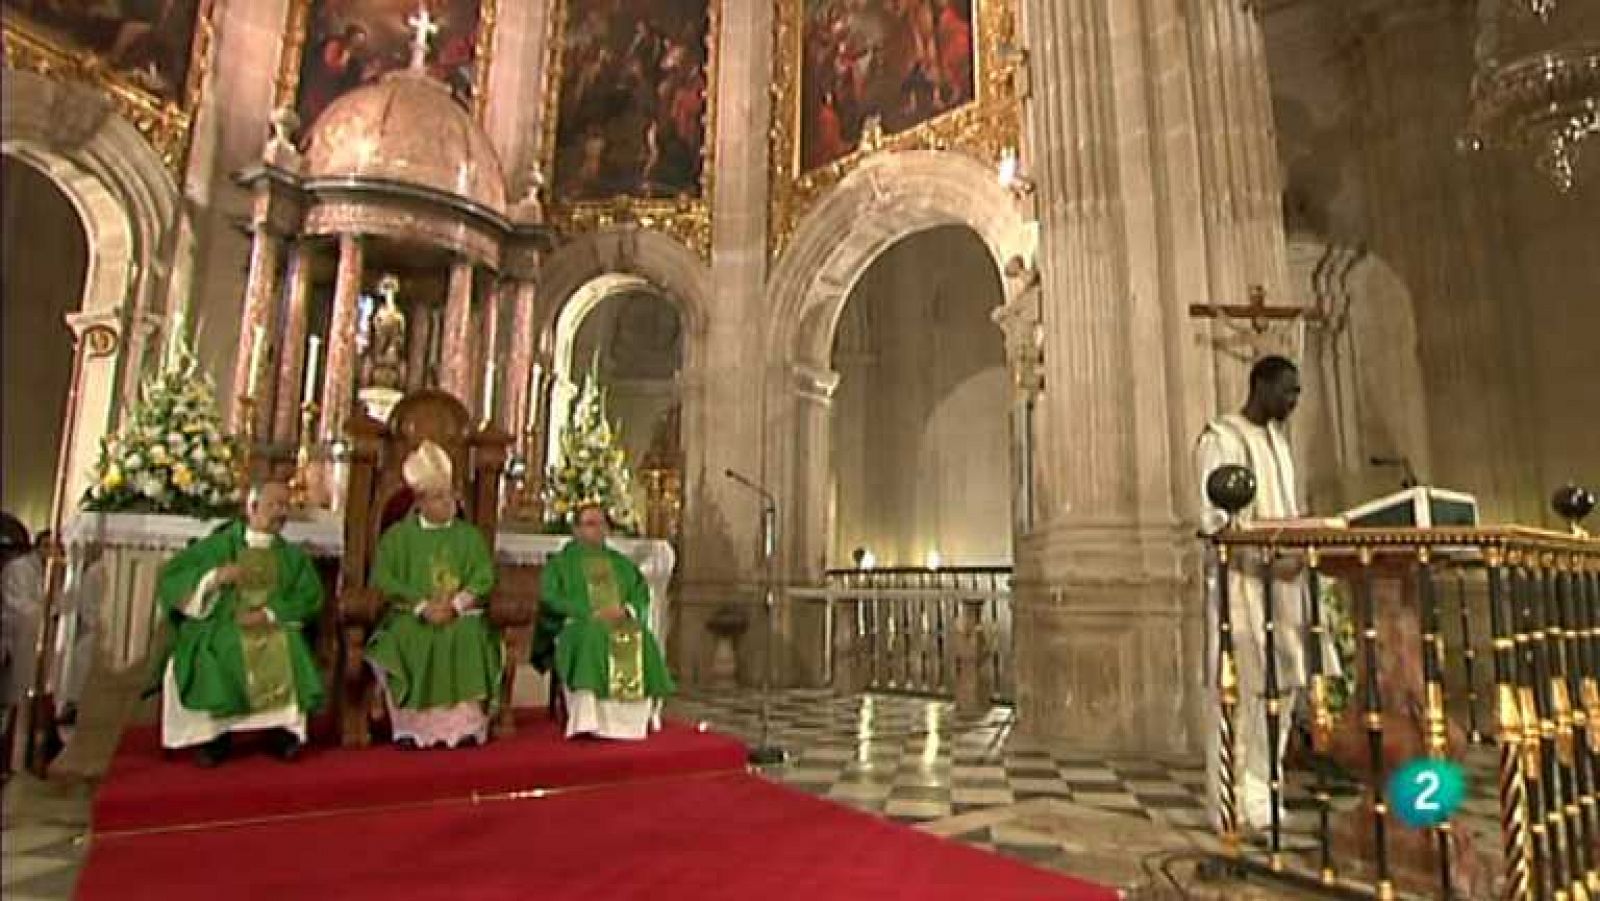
x,y
436,657
608,662
239,600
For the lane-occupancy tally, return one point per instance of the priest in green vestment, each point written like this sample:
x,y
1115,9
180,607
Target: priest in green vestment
x,y
436,656
606,657
240,600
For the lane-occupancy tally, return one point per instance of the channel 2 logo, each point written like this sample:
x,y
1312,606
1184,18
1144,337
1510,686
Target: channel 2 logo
x,y
1427,792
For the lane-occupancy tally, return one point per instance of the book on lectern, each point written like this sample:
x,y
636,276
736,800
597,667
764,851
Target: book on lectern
x,y
1421,507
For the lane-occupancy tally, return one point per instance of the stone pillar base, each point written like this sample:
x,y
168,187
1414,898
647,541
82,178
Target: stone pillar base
x,y
1108,643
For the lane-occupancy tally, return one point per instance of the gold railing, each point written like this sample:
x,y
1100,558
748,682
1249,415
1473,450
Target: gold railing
x,y
1538,592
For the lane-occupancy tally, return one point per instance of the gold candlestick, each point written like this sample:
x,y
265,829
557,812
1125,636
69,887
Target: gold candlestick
x,y
300,482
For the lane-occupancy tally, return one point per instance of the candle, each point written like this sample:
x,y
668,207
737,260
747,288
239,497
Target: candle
x,y
258,346
488,393
310,390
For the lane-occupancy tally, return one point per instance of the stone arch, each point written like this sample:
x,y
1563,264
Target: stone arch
x,y
580,274
888,198
128,203
1364,391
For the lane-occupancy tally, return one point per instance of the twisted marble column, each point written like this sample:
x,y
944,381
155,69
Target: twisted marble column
x,y
292,350
258,318
456,374
338,387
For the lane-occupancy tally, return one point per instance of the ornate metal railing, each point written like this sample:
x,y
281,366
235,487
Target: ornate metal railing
x,y
942,632
1414,693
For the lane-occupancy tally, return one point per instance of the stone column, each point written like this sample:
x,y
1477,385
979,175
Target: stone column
x,y
1147,134
338,386
455,369
292,351
259,313
1239,179
1020,321
1440,219
419,334
489,354
514,406
99,337
808,524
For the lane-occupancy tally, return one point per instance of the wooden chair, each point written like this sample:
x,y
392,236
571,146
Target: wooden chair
x,y
376,497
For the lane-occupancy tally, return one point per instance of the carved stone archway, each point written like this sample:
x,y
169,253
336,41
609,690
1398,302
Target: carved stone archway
x,y
884,201
128,203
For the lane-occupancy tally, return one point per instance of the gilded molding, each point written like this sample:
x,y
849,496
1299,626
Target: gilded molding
x,y
164,123
685,219
297,28
983,128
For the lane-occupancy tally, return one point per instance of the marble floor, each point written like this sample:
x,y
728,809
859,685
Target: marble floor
x,y
1138,825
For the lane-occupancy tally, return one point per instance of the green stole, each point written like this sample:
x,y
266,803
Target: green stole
x,y
627,637
269,679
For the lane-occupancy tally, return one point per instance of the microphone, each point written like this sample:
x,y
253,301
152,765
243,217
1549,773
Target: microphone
x,y
1402,463
748,483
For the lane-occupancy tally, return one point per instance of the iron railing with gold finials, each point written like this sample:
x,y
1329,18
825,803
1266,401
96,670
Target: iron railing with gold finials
x,y
1415,695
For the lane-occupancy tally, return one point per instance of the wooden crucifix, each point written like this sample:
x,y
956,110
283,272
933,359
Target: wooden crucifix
x,y
1258,315
1257,312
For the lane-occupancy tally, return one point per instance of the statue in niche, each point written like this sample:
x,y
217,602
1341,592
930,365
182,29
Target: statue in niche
x,y
386,352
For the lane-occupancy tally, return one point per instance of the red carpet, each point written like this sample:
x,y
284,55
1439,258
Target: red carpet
x,y
705,838
146,790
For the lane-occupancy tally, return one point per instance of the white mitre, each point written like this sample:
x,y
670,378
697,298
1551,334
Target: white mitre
x,y
428,470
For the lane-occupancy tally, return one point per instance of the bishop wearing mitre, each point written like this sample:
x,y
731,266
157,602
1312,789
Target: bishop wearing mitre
x,y
437,658
239,600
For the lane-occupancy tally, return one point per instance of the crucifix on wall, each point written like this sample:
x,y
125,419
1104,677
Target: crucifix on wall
x,y
1251,322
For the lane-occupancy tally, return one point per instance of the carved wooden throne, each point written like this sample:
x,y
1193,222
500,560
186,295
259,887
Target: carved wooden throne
x,y
376,498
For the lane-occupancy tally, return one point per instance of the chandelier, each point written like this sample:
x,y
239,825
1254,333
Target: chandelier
x,y
1544,99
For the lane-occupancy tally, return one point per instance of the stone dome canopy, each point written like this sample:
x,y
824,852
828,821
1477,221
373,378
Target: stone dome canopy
x,y
406,128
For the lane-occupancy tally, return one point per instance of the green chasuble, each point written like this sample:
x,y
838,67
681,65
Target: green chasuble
x,y
426,665
227,670
621,662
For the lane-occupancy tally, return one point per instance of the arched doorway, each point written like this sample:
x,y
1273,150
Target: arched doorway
x,y
37,222
921,430
630,333
126,204
911,197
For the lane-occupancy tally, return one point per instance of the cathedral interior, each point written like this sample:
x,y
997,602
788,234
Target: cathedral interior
x,y
882,331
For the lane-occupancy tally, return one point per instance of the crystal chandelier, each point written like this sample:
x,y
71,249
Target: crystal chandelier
x,y
1545,98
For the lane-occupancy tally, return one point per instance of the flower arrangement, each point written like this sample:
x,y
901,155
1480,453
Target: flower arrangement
x,y
172,455
1341,625
592,468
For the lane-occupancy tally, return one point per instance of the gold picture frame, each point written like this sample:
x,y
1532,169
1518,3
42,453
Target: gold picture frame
x,y
686,219
984,127
296,30
164,122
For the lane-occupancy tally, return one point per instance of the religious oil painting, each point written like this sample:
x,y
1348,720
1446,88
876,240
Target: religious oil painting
x,y
350,43
633,99
148,42
901,62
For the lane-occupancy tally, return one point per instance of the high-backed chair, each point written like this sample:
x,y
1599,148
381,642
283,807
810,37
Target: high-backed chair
x,y
376,497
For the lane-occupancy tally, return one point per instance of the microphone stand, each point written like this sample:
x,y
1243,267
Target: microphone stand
x,y
765,753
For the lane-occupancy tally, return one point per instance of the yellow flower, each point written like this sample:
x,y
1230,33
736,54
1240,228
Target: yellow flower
x,y
561,506
113,477
181,476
